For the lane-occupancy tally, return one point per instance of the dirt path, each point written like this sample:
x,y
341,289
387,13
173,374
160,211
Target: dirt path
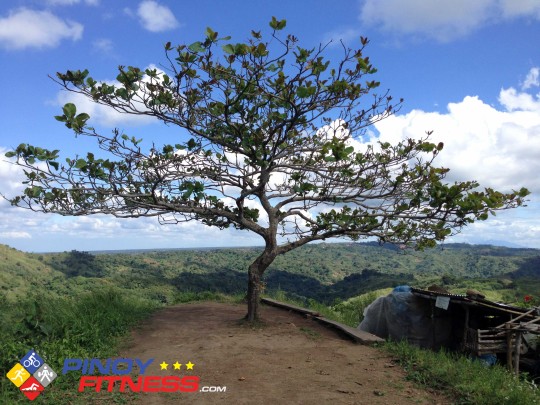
x,y
289,360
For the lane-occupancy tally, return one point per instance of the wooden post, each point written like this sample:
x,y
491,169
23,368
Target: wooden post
x,y
466,327
517,352
509,347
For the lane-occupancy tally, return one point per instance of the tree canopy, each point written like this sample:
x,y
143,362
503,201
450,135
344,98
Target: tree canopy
x,y
270,148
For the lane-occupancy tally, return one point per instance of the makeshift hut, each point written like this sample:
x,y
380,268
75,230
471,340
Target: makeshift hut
x,y
469,323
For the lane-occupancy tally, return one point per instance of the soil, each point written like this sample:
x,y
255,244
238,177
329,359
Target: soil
x,y
287,359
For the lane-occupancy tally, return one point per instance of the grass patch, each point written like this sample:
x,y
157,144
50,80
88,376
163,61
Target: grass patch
x,y
88,326
310,333
467,381
192,296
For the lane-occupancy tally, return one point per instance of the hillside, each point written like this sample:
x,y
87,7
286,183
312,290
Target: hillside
x,y
325,272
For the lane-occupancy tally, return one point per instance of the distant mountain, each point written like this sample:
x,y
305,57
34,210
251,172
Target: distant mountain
x,y
504,243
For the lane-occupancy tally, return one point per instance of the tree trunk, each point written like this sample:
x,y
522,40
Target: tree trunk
x,y
255,273
253,295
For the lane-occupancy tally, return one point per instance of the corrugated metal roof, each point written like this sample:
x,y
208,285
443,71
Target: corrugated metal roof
x,y
469,300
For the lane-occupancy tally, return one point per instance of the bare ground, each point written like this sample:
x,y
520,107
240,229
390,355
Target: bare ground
x,y
287,360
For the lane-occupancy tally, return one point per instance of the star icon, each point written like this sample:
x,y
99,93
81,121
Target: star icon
x,y
164,365
177,365
189,365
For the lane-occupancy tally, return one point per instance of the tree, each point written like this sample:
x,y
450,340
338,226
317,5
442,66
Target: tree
x,y
271,150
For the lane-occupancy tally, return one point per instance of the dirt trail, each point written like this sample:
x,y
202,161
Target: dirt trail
x,y
289,360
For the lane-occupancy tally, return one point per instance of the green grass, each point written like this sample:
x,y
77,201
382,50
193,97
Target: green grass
x,y
88,326
464,380
190,296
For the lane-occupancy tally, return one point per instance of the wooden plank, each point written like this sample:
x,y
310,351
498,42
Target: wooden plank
x,y
290,307
357,335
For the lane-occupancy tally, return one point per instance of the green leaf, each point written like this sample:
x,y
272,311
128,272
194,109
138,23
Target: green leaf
x,y
83,117
277,24
304,92
240,49
196,47
229,48
81,163
69,110
211,34
36,191
274,23
10,154
191,144
122,93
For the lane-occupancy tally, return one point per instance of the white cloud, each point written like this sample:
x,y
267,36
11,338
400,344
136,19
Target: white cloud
x,y
532,79
155,17
443,20
103,45
15,235
100,114
350,37
11,176
25,28
71,2
521,230
500,149
518,8
514,100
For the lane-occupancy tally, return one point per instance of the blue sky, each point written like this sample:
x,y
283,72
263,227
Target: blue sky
x,y
469,71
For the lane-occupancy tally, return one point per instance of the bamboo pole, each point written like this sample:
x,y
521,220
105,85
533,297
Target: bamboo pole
x,y
519,317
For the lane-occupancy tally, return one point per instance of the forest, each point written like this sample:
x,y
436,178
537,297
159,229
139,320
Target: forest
x,y
325,272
